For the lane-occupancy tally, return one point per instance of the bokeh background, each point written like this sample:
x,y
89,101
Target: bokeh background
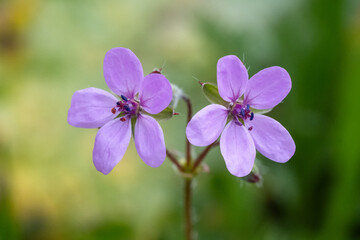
x,y
49,188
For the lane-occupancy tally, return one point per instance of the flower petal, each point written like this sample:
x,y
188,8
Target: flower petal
x,y
149,141
267,88
111,143
123,72
207,124
232,78
271,139
91,108
155,93
238,149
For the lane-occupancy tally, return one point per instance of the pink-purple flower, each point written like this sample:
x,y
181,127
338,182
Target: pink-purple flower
x,y
246,131
136,96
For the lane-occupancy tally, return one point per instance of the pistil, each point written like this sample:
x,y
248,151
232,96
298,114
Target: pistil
x,y
126,108
241,112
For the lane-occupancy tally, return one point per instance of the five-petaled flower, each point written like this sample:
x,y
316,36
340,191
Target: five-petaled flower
x,y
94,108
246,130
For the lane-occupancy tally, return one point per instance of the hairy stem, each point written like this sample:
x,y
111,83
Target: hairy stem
x,y
188,145
187,206
203,154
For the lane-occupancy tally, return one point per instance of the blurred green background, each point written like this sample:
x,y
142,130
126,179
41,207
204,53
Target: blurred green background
x,y
49,188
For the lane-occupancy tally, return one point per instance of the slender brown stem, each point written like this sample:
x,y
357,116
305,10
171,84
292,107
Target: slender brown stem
x,y
187,202
174,160
203,154
188,145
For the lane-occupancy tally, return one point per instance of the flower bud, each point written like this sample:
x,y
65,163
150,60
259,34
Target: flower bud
x,y
253,177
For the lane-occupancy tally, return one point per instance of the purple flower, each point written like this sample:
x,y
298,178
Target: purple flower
x,y
94,108
246,130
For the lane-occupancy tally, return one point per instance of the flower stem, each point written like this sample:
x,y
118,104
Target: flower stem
x,y
188,145
187,207
174,160
189,170
203,154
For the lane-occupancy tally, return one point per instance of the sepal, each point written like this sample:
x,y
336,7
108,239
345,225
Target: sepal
x,y
165,114
260,111
211,93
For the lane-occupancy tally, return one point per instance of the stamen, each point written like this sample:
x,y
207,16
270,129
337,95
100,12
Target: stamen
x,y
127,108
124,98
242,112
250,128
123,119
113,110
252,116
238,123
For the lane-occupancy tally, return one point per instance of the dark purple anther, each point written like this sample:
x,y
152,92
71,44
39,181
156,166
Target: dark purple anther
x,y
127,108
118,104
248,107
252,116
242,112
238,123
124,98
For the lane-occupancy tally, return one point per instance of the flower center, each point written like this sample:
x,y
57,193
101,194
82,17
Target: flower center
x,y
126,108
241,112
